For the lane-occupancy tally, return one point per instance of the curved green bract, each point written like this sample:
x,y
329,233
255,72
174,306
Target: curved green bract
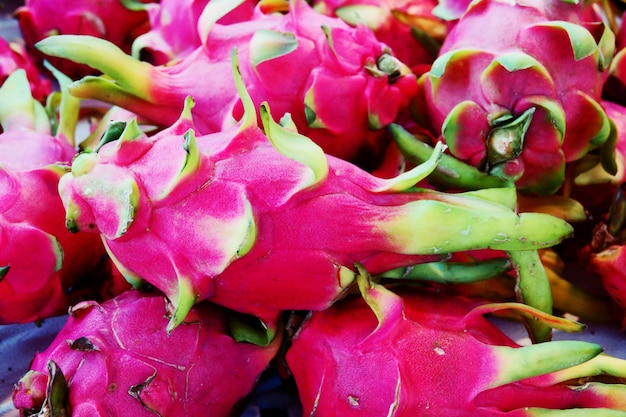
x,y
295,146
450,172
533,289
268,44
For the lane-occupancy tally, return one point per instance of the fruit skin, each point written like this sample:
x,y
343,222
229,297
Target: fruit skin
x,y
341,85
40,260
13,55
522,100
234,216
411,352
610,264
117,361
173,30
407,26
106,19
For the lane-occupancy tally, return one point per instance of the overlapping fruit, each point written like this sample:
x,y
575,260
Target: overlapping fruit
x,y
340,191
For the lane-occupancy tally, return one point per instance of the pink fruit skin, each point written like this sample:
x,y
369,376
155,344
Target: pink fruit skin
x,y
395,32
173,30
610,265
197,370
295,252
492,29
107,19
429,356
229,217
332,88
14,56
45,260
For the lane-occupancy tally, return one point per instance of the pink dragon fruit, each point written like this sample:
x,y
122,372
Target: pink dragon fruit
x,y
107,19
113,359
408,27
173,30
415,353
604,255
594,187
236,215
451,10
340,84
615,86
39,259
516,90
609,264
14,56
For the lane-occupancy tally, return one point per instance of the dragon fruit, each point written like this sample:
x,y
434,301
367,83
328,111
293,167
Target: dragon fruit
x,y
420,353
605,254
615,86
408,27
609,264
451,10
13,56
39,259
236,215
516,90
295,61
113,359
593,186
173,30
107,19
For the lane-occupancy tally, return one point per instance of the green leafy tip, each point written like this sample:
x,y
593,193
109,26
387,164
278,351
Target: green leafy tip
x,y
183,301
4,270
268,44
249,118
408,179
295,146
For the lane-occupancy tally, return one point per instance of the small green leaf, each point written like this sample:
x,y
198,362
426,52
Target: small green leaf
x,y
69,107
450,172
132,75
4,270
607,151
604,131
114,132
582,41
295,146
439,65
506,142
516,364
515,61
533,289
452,272
372,16
526,311
56,402
386,306
267,44
83,163
18,109
190,165
607,48
409,178
249,110
135,5
617,214
309,109
183,300
212,12
250,329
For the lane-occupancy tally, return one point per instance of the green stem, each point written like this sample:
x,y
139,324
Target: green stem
x,y
451,173
533,289
445,272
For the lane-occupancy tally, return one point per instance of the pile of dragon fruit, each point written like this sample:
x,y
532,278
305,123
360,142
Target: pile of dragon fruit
x,y
343,191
